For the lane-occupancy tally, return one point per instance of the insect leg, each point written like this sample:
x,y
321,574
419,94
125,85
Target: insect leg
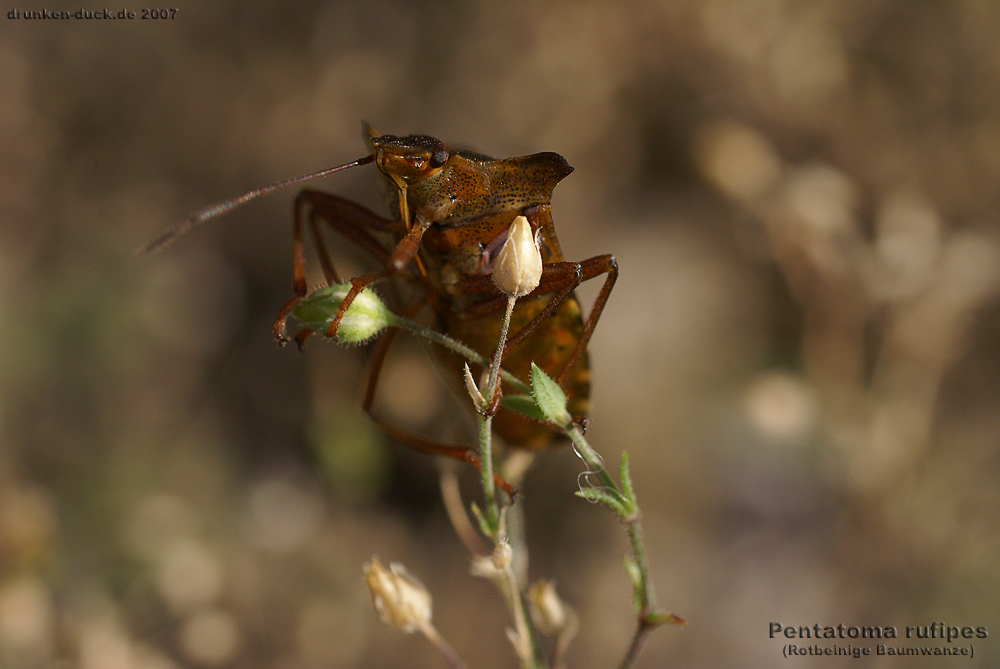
x,y
461,453
591,268
561,279
351,220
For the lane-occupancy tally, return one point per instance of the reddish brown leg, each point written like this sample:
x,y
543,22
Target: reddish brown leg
x,y
461,453
560,278
590,268
355,223
351,220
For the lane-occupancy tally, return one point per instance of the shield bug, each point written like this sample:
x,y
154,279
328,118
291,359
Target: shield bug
x,y
451,213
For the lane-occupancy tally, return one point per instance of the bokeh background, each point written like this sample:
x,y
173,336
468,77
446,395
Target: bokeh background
x,y
801,355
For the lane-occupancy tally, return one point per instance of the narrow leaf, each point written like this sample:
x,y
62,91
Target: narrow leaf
x,y
473,389
635,575
626,479
633,571
609,500
484,525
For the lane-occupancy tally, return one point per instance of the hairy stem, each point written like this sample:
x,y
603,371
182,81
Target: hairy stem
x,y
456,346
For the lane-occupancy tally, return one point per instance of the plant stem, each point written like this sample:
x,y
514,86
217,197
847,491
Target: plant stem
x,y
525,642
647,594
447,652
595,462
455,508
491,511
644,587
491,385
526,639
634,646
486,430
456,346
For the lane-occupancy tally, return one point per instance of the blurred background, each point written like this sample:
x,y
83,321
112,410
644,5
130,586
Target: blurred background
x,y
800,356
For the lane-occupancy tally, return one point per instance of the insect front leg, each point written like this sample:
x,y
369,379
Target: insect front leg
x,y
351,220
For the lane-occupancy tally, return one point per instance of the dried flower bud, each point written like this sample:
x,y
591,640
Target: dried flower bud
x,y
483,567
552,616
365,318
400,600
503,554
518,267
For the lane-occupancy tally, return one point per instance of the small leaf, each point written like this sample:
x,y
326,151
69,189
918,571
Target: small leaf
x,y
626,479
484,525
632,569
635,575
550,397
606,498
657,618
473,389
523,404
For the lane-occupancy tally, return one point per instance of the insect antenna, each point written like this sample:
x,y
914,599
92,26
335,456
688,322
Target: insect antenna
x,y
198,217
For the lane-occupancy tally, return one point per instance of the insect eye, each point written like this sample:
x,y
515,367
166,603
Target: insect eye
x,y
439,158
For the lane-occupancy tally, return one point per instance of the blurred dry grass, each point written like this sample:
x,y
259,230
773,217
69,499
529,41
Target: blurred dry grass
x,y
800,356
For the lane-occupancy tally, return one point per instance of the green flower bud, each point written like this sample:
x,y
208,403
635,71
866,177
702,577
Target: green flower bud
x,y
365,318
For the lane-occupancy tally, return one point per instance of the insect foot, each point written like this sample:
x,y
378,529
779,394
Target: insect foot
x,y
364,319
